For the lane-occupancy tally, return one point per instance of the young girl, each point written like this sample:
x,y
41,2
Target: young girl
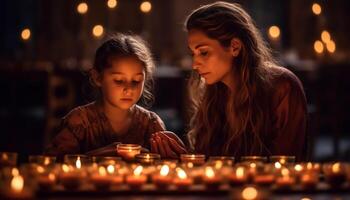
x,y
122,72
243,103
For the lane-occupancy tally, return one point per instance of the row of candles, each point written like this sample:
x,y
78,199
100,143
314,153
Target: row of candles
x,y
135,169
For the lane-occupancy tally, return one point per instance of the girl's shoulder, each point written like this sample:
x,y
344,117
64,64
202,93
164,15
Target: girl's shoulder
x,y
143,113
82,115
284,78
147,118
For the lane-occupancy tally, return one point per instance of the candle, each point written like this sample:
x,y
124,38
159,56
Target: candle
x,y
196,159
334,174
162,179
42,160
17,189
283,160
211,180
285,180
46,181
147,158
128,151
239,177
309,179
8,159
137,179
101,179
182,181
71,177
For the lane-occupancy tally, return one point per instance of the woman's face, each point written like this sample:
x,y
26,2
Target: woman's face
x,y
122,83
211,60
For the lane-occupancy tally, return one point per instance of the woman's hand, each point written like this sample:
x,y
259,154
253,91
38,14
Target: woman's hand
x,y
167,144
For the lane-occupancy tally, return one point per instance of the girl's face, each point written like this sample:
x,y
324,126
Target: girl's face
x,y
212,61
122,83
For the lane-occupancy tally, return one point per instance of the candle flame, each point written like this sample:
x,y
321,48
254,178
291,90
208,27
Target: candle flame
x,y
190,165
148,156
181,173
78,163
40,169
17,183
283,161
298,167
164,171
138,170
278,165
46,161
209,172
336,167
249,193
15,172
285,172
52,176
110,169
102,171
309,165
65,168
240,172
252,165
218,164
193,156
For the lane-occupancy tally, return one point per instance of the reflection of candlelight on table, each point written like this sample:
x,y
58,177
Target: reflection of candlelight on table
x,y
128,151
182,181
211,179
137,179
239,177
162,179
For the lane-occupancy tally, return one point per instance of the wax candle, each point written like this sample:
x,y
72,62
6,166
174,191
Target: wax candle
x,y
147,158
101,179
128,151
136,180
71,177
239,177
46,181
17,189
334,174
163,178
286,180
210,179
309,179
182,181
283,160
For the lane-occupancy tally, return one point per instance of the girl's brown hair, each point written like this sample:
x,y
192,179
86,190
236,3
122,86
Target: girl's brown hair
x,y
237,124
121,46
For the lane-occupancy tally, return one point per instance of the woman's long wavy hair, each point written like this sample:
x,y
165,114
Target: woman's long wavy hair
x,y
125,45
240,122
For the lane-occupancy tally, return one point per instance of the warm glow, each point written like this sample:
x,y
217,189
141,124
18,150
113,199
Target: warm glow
x,y
285,172
15,172
305,198
148,156
5,156
17,183
164,170
65,168
82,8
331,46
52,176
274,31
46,161
325,36
97,31
190,165
138,170
218,164
252,165
336,167
249,193
145,6
316,8
40,169
78,163
209,172
181,173
102,171
278,165
239,172
318,46
110,169
309,165
25,35
298,167
112,3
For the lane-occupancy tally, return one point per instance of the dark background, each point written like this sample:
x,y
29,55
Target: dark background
x,y
42,78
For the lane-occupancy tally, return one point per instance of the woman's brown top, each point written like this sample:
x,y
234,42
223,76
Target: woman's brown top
x,y
87,128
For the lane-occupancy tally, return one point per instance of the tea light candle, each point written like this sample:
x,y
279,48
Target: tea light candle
x,y
42,160
147,158
309,179
162,180
101,179
47,181
239,177
211,180
128,151
71,177
196,159
182,181
137,179
285,180
334,174
17,189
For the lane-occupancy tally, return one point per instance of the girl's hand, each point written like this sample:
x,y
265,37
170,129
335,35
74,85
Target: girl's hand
x,y
167,144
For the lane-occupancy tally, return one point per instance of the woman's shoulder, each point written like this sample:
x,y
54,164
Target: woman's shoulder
x,y
81,115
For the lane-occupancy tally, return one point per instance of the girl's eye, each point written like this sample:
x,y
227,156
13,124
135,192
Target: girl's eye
x,y
136,82
204,53
119,82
